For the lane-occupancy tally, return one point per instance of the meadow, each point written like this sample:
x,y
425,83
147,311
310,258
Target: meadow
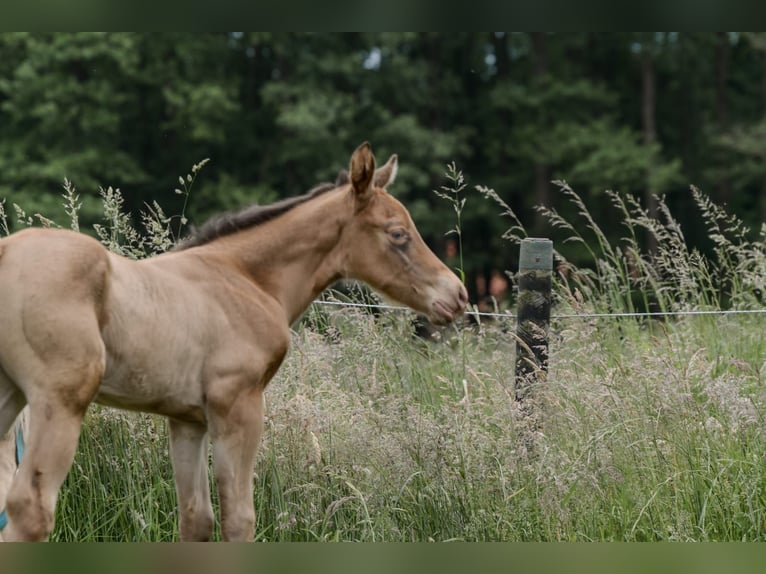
x,y
644,429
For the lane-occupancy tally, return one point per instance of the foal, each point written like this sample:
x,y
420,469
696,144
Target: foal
x,y
194,334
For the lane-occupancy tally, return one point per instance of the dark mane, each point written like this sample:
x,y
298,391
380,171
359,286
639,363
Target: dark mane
x,y
229,223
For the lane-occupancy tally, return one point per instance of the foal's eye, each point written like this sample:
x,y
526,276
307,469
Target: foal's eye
x,y
398,236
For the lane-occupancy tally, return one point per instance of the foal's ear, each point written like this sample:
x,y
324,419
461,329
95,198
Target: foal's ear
x,y
386,174
362,170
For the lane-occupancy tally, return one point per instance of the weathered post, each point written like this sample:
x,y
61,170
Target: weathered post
x,y
533,314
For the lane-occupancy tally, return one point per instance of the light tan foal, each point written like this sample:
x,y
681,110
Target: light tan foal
x,y
194,334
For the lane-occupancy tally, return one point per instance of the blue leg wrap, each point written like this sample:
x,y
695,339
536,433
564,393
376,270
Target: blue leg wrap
x,y
19,456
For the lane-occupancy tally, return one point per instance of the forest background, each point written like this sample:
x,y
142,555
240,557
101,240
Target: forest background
x,y
647,114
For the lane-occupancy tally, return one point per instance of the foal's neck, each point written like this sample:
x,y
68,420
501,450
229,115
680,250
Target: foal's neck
x,y
295,256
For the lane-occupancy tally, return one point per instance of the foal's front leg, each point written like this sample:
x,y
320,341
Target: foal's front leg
x,y
236,434
188,450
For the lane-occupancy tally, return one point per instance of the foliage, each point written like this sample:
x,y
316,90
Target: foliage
x,y
278,112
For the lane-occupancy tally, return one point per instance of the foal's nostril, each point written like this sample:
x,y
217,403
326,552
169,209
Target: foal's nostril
x,y
462,296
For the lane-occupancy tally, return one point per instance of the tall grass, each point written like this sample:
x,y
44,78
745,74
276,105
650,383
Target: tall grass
x,y
644,430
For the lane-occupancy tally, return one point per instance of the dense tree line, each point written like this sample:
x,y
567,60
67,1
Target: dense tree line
x,y
641,113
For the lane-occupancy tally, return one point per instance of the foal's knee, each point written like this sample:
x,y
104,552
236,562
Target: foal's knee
x,y
196,525
239,526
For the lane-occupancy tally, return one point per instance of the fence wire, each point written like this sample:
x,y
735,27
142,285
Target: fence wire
x,y
476,313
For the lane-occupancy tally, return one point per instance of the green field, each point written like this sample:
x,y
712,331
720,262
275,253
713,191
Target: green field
x,y
639,433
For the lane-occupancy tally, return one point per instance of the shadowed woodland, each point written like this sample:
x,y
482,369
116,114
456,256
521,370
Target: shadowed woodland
x,y
640,113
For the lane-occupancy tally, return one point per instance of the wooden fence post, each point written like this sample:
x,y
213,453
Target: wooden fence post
x,y
533,314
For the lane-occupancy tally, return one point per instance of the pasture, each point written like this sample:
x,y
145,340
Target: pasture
x,y
643,430
641,434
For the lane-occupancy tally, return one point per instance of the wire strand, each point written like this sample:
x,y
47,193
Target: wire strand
x,y
663,313
563,315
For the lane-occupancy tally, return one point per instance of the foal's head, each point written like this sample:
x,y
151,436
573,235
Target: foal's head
x,y
384,249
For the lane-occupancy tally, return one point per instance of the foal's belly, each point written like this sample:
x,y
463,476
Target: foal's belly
x,y
167,407
175,393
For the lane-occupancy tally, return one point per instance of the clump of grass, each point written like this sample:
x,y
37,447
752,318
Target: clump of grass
x,y
72,205
121,486
157,236
185,190
4,219
453,193
627,277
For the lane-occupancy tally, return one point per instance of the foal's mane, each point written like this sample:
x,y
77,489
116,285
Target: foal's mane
x,y
229,223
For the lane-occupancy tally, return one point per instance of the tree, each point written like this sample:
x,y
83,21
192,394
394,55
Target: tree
x,y
105,110
277,113
746,138
61,104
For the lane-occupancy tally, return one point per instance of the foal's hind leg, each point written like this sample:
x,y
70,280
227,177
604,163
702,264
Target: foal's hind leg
x,y
55,419
54,431
236,437
188,449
